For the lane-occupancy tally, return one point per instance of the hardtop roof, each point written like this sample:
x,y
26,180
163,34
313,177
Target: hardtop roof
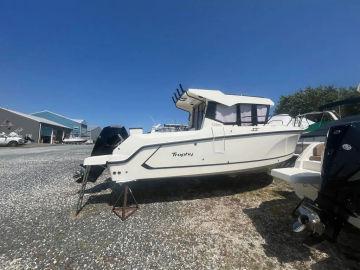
x,y
188,99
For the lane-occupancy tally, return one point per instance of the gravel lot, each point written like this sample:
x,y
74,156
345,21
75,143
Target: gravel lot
x,y
213,223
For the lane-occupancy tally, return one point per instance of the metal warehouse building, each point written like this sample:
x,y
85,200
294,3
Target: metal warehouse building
x,y
78,127
37,128
94,132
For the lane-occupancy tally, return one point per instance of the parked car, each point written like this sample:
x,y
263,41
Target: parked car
x,y
12,139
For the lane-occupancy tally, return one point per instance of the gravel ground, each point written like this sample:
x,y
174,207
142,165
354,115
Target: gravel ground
x,y
212,223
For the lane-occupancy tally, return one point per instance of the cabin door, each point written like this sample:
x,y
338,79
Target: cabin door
x,y
218,139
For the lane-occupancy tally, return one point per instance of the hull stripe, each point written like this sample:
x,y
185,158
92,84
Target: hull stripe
x,y
213,164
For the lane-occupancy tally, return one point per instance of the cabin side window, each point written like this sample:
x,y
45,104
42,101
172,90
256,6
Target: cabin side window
x,y
262,113
253,114
226,114
222,113
246,115
240,114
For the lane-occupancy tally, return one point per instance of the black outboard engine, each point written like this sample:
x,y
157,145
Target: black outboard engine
x,y
109,138
339,196
338,200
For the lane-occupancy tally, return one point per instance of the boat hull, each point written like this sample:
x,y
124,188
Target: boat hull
x,y
74,141
232,154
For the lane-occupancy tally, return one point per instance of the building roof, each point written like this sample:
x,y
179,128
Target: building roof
x,y
35,118
79,121
193,96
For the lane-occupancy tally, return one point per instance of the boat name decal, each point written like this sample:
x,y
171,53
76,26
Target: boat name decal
x,y
186,154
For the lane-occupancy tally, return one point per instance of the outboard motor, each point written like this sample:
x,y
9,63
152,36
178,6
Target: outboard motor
x,y
338,199
109,138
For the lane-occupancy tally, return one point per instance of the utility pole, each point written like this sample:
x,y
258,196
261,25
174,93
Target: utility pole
x,y
339,105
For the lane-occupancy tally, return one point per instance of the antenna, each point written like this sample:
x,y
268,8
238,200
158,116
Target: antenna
x,y
182,90
152,119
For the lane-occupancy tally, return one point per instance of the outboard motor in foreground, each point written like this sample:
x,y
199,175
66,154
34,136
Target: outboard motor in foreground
x,y
109,138
338,200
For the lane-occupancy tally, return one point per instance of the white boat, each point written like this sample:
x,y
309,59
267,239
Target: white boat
x,y
326,176
227,134
75,140
305,176
168,128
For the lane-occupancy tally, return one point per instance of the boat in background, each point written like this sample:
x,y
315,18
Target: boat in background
x,y
169,128
324,120
75,140
316,124
287,120
326,176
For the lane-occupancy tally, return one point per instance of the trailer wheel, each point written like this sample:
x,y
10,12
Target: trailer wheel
x,y
13,143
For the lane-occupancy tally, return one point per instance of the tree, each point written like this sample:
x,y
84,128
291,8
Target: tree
x,y
310,99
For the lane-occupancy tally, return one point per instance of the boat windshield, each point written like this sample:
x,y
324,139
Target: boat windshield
x,y
197,116
318,117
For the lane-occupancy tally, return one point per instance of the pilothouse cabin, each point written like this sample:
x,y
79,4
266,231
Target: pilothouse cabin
x,y
207,107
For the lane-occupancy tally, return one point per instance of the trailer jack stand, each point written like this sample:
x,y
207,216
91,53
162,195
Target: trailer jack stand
x,y
125,211
81,192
